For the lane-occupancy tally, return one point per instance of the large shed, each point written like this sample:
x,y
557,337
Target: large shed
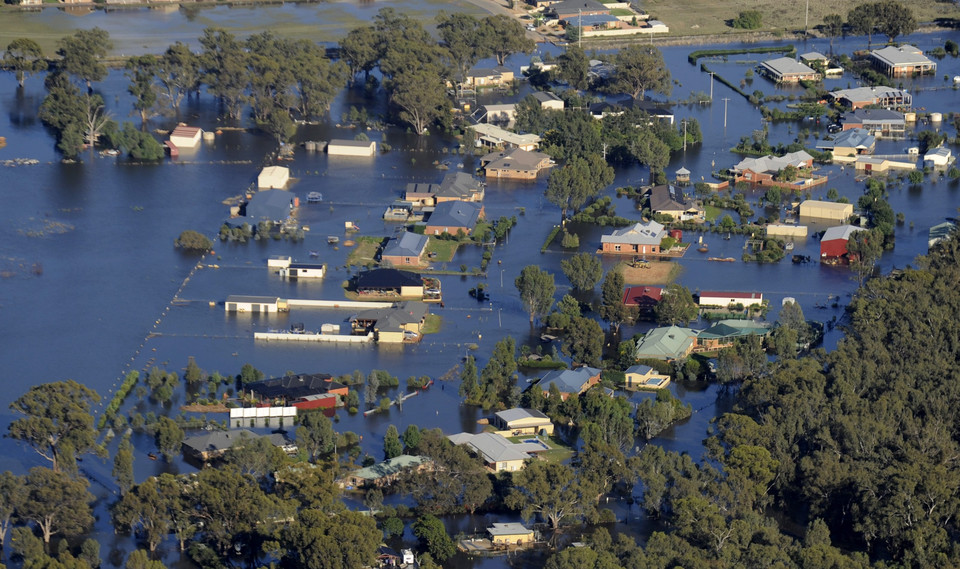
x,y
826,210
342,147
273,177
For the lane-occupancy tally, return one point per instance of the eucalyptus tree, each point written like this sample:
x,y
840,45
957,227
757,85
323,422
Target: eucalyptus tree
x,y
24,56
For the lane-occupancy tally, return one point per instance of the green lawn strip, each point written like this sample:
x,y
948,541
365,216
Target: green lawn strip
x,y
431,324
365,252
444,249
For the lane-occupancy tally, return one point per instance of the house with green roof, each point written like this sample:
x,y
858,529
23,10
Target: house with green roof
x,y
384,473
666,343
723,333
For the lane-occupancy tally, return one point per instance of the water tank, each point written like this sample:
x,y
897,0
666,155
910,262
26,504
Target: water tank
x,y
209,136
787,300
936,117
910,117
310,145
677,234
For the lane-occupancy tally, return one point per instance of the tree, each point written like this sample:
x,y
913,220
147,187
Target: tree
x,y
255,455
140,559
145,511
573,67
360,49
748,20
249,374
319,540
791,316
612,307
178,73
468,380
580,179
864,249
862,20
583,270
420,98
12,494
392,447
433,537
676,306
550,489
461,35
371,388
833,27
123,465
223,69
81,54
315,434
894,18
56,502
56,416
191,240
536,288
411,438
24,56
168,436
317,80
503,36
583,341
640,68
142,71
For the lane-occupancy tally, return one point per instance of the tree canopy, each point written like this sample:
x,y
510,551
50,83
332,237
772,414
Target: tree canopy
x,y
56,421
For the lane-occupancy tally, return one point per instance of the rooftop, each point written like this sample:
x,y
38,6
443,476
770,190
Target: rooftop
x,y
387,278
787,66
496,135
568,380
348,142
495,448
409,244
519,413
902,55
853,138
389,467
635,295
873,116
643,233
514,159
667,342
734,328
669,198
294,386
772,163
511,528
842,232
455,214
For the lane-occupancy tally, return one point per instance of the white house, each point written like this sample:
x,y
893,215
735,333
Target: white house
x,y
341,147
940,157
254,304
273,177
303,271
186,136
713,298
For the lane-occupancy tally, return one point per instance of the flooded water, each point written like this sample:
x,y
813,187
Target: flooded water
x,y
91,274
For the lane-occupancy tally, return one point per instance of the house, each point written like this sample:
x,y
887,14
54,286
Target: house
x,y
637,239
839,212
387,557
184,136
814,58
421,194
903,60
878,122
497,452
939,157
788,70
642,376
666,343
500,114
303,271
296,387
263,417
569,381
269,205
342,147
215,444
386,472
254,304
872,165
495,137
940,232
515,164
489,76
548,100
278,262
273,177
725,299
859,97
594,23
521,421
407,249
459,186
388,282
509,534
645,298
453,217
850,143
723,333
763,170
682,176
403,322
568,10
669,200
833,245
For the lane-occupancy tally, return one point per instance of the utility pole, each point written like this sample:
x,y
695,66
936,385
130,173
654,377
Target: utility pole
x,y
684,135
725,99
806,18
579,26
711,85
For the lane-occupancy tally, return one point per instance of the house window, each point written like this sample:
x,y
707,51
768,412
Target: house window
x,y
616,247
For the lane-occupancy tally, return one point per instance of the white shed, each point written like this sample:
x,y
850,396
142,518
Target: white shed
x,y
342,147
938,158
273,177
186,136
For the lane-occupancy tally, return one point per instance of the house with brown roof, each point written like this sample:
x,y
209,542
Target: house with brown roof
x,y
669,200
515,164
489,76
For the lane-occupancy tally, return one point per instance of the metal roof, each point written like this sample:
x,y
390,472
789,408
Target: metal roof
x,y
409,244
643,233
903,55
568,380
787,66
842,232
519,413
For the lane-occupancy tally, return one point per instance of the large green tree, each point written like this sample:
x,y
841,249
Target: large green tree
x,y
460,34
315,434
56,502
583,341
81,54
573,67
24,56
178,74
640,68
56,416
552,490
319,540
12,495
676,306
145,511
223,69
142,72
503,36
536,288
420,99
894,18
612,307
580,179
583,270
433,537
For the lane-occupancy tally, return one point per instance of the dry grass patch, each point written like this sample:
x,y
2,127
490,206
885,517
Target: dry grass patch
x,y
656,272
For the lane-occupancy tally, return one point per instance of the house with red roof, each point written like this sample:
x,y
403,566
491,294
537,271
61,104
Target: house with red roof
x,y
645,298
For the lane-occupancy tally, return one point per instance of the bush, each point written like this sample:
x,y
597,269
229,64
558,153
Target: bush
x,y
570,241
193,241
748,20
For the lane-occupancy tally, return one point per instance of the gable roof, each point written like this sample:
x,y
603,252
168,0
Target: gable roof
x,y
269,205
636,295
219,441
573,6
666,342
495,448
387,278
734,329
389,467
459,185
568,380
813,56
902,55
639,369
455,214
511,528
669,198
860,94
842,232
520,413
294,386
773,164
642,233
514,159
409,244
545,96
496,135
852,138
876,116
787,66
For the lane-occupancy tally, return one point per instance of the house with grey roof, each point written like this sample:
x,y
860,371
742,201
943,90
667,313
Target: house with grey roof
x,y
571,10
521,421
407,249
269,205
899,61
212,445
881,123
859,97
764,169
515,164
939,157
497,452
548,100
723,333
939,232
666,343
788,70
850,143
452,217
400,323
569,381
638,239
459,186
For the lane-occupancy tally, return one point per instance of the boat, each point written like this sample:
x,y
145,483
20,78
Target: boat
x,y
788,246
314,197
703,248
314,253
722,259
332,239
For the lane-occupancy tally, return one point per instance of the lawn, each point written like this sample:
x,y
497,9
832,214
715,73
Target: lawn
x,y
444,249
431,324
364,255
711,212
558,452
621,12
657,272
